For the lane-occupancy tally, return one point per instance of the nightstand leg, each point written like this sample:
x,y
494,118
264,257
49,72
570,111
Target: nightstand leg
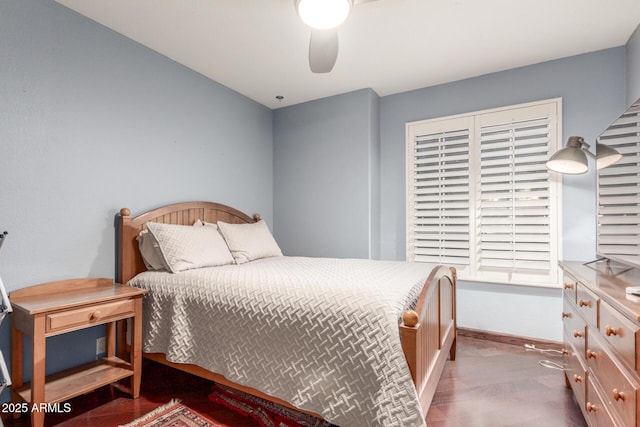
x,y
38,371
136,349
16,364
111,339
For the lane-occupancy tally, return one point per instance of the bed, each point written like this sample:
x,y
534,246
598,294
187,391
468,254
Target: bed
x,y
355,342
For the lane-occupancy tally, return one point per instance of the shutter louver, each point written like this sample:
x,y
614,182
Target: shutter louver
x,y
619,190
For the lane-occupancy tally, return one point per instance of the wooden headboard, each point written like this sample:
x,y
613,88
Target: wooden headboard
x,y
129,259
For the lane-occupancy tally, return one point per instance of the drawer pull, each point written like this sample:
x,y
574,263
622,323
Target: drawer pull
x,y
95,315
565,352
565,314
577,378
611,331
591,407
583,303
578,334
618,395
591,354
568,285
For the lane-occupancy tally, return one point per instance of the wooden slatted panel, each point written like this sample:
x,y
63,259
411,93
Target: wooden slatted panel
x,y
432,332
446,308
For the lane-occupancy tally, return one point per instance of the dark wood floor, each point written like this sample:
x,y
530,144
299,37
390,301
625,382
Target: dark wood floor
x,y
500,385
489,384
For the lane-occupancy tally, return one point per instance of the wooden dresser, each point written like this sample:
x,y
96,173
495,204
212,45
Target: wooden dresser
x,y
602,341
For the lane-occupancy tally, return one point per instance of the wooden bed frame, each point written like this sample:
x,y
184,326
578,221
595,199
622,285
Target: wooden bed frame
x,y
428,334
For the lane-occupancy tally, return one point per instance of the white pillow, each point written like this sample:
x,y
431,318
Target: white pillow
x,y
248,242
185,247
150,251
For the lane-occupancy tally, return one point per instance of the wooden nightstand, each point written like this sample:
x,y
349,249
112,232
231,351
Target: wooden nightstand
x,y
54,308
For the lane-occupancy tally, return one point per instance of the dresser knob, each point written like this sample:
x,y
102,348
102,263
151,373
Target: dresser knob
x,y
611,331
577,378
591,407
565,314
618,395
565,352
591,354
578,334
95,315
583,303
568,285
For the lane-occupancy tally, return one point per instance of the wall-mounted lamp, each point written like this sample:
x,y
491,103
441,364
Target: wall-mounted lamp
x,y
572,159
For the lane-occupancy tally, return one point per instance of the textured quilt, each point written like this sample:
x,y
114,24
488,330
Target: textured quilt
x,y
319,333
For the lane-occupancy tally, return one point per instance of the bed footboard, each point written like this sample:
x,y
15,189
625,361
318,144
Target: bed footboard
x,y
428,334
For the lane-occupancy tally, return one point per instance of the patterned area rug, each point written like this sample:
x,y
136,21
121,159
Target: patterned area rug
x,y
173,414
266,413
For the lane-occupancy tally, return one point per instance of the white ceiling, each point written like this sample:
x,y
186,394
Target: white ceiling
x,y
260,47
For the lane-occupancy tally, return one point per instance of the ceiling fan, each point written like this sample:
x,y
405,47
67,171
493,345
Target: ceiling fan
x,y
324,17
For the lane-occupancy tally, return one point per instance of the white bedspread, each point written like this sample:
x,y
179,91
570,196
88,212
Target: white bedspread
x,y
319,333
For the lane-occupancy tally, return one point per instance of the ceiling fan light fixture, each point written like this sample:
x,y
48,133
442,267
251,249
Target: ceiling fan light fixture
x,y
323,14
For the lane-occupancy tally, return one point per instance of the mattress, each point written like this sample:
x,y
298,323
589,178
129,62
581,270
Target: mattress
x,y
320,333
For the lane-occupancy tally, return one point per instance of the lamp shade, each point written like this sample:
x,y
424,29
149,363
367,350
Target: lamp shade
x,y
570,159
606,156
323,14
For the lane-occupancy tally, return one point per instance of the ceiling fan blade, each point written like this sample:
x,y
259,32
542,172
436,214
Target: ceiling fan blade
x,y
323,50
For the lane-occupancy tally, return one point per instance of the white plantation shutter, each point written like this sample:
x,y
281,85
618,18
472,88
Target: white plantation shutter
x,y
479,195
619,190
516,233
439,190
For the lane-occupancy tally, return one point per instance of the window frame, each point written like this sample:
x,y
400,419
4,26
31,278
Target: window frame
x,y
472,272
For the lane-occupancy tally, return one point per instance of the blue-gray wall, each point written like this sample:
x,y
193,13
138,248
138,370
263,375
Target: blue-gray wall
x,y
90,122
326,175
633,67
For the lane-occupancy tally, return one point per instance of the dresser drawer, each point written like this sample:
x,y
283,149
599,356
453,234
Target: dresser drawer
x,y
588,304
596,412
618,390
621,334
576,373
87,316
575,328
569,287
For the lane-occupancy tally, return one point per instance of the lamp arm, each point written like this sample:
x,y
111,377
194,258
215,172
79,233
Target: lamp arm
x,y
585,147
589,153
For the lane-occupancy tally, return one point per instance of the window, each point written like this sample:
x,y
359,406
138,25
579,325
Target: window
x,y
480,197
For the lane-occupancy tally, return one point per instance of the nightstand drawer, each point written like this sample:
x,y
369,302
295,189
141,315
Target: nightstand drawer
x,y
87,316
621,334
